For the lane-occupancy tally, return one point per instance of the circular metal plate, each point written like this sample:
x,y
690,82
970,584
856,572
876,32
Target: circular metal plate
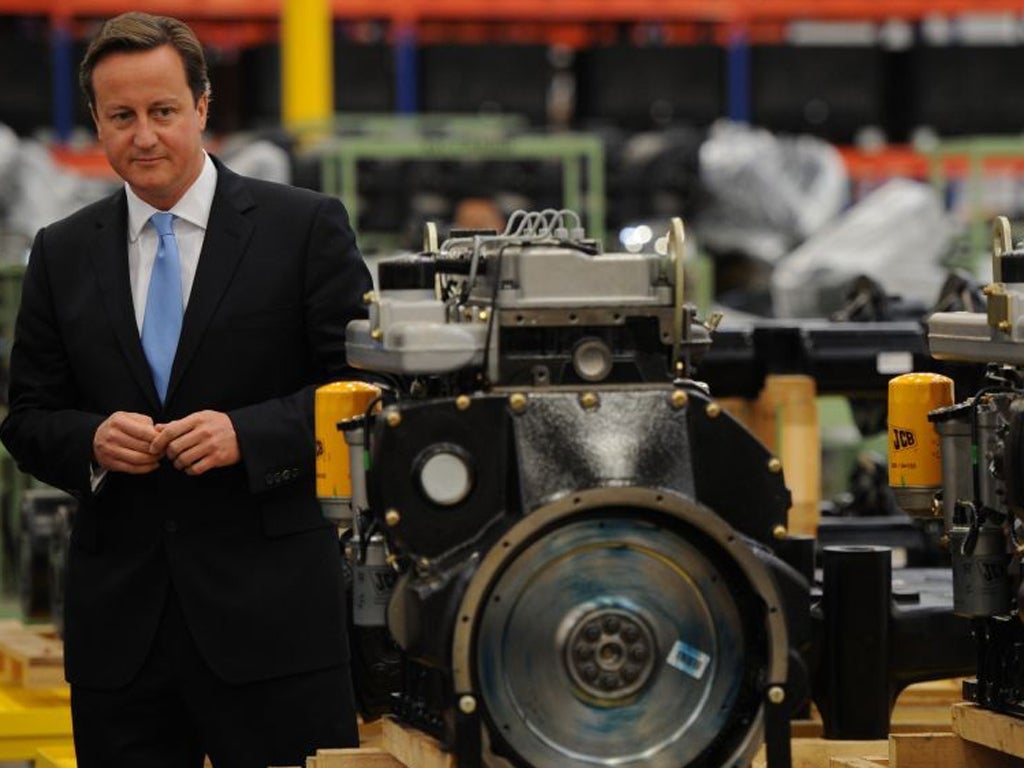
x,y
613,582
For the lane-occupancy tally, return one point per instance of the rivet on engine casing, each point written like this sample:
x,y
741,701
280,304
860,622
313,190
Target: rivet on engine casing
x,y
779,532
467,704
393,418
392,517
679,399
376,334
517,402
774,465
776,694
590,400
713,410
462,402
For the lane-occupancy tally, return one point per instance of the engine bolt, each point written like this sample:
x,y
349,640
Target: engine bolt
x,y
638,652
609,681
584,652
713,410
393,418
774,465
462,402
589,672
630,633
611,624
517,402
467,704
376,334
369,297
779,532
592,633
392,517
776,695
1005,326
483,314
679,399
589,400
630,673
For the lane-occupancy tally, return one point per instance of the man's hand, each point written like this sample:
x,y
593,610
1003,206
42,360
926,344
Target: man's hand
x,y
198,443
122,444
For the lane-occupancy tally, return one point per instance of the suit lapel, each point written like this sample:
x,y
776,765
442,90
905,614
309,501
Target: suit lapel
x,y
109,253
227,236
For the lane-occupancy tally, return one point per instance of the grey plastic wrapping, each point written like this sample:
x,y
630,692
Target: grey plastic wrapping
x,y
767,193
897,235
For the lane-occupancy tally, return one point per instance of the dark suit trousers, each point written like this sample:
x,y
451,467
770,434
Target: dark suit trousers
x,y
176,710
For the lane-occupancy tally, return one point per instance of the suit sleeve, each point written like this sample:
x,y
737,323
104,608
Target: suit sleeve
x,y
276,437
44,431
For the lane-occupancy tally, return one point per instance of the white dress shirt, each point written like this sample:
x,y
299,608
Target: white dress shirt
x,y
192,212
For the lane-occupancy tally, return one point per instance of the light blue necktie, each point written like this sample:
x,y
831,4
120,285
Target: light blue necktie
x,y
161,325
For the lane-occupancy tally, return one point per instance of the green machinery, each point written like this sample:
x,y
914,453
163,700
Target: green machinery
x,y
458,138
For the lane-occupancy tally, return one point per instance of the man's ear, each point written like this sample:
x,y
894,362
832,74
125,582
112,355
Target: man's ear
x,y
203,109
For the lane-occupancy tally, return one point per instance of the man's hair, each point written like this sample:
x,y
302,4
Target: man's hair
x,y
136,31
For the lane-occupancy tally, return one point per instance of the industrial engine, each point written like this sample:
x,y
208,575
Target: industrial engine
x,y
585,543
972,476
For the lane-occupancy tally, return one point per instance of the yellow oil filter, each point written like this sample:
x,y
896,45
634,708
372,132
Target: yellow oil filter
x,y
915,454
337,402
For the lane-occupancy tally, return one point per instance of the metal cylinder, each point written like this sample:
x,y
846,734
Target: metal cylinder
x,y
954,428
981,586
856,606
915,455
335,403
372,583
353,431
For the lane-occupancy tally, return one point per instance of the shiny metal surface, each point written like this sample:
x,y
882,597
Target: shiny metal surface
x,y
586,577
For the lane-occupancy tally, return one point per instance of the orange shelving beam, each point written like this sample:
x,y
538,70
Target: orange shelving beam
x,y
892,161
575,10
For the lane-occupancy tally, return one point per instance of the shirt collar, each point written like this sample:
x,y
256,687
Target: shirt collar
x,y
194,206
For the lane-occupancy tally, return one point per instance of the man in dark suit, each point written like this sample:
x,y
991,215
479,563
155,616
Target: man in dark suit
x,y
205,611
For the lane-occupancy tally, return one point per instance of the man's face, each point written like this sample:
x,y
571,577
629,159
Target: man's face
x,y
148,123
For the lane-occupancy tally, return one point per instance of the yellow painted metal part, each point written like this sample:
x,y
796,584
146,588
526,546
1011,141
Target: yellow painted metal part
x,y
337,402
31,719
915,455
307,63
57,756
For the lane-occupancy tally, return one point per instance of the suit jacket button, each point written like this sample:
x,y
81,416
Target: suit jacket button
x,y
170,526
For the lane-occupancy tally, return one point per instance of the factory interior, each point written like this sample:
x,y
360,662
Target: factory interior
x,y
695,435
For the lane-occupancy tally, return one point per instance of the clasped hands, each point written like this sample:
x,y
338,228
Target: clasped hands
x,y
197,443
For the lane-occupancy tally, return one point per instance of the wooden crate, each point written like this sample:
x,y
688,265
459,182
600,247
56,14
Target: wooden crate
x,y
980,739
30,657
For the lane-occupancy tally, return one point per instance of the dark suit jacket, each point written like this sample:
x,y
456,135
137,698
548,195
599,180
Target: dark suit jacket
x,y
254,564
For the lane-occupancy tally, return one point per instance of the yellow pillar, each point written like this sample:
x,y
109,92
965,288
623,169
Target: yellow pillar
x,y
307,56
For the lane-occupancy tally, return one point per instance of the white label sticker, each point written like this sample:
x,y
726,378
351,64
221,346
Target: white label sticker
x,y
892,363
688,659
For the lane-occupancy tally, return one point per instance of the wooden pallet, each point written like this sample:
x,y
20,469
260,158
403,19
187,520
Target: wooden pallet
x,y
30,657
990,730
386,744
980,739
